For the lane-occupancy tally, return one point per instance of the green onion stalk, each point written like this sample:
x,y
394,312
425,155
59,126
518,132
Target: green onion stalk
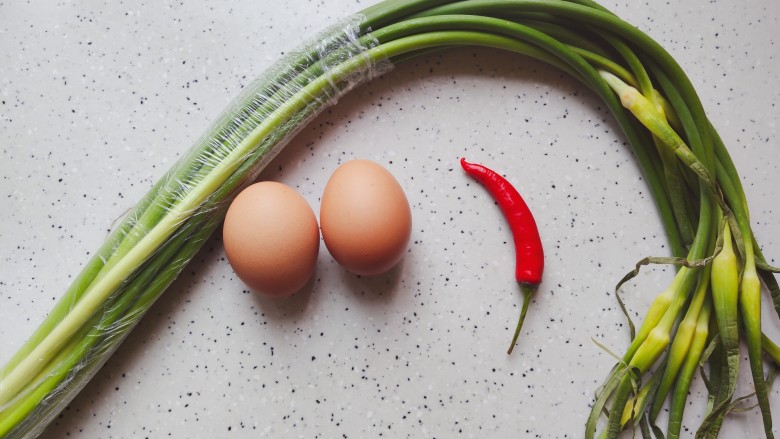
x,y
691,177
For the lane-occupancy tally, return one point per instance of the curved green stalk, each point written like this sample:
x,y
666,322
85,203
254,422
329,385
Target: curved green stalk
x,y
750,305
674,190
607,64
644,110
750,287
572,38
771,349
680,395
635,408
732,190
681,345
725,295
648,352
527,291
681,282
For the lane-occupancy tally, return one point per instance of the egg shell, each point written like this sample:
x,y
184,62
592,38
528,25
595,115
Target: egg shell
x,y
271,238
365,218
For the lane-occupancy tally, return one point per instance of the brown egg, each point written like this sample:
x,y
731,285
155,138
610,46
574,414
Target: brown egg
x,y
271,238
365,218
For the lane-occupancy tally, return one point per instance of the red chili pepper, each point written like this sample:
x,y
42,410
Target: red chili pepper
x,y
529,255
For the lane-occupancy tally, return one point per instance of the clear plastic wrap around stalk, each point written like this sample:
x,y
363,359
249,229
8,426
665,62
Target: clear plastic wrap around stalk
x,y
165,230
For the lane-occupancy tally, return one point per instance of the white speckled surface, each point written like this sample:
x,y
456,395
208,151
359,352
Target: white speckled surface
x,y
98,99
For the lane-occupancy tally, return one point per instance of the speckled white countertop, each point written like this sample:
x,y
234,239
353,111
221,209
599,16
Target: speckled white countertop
x,y
98,99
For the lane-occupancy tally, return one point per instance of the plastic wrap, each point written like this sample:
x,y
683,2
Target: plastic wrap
x,y
165,230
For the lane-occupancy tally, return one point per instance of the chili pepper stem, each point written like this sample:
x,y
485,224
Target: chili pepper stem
x,y
527,290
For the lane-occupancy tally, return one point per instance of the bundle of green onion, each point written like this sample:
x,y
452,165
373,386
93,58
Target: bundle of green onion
x,y
713,302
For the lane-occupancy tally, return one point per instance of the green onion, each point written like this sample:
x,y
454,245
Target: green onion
x,y
690,175
725,295
683,340
685,376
